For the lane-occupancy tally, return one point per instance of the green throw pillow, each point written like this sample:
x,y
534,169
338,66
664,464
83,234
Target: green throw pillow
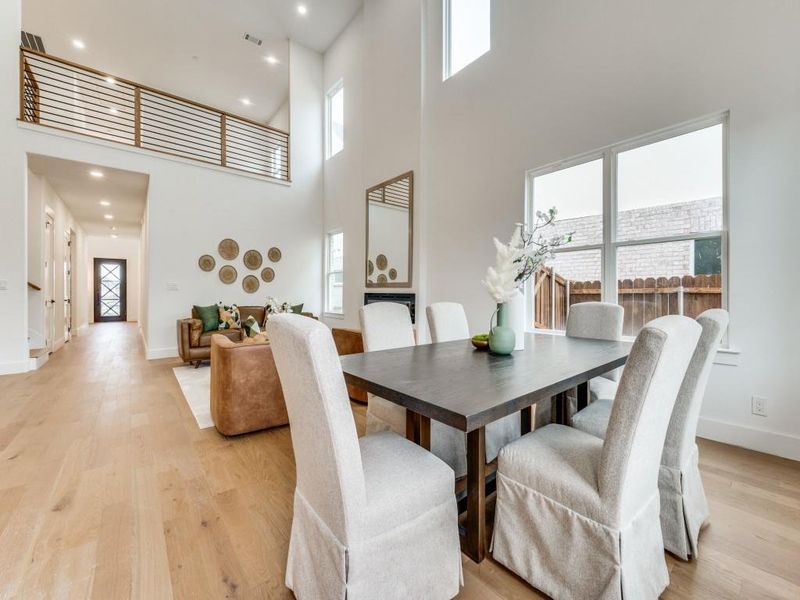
x,y
251,326
209,315
297,309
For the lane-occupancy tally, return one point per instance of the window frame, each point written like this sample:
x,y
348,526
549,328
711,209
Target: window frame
x,y
610,244
447,72
328,272
329,95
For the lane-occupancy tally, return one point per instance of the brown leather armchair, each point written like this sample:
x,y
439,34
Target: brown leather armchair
x,y
246,393
194,346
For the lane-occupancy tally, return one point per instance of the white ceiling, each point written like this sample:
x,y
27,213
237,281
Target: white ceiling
x,y
125,190
192,48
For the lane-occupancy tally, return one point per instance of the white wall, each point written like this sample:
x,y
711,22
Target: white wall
x,y
378,58
125,248
566,78
191,208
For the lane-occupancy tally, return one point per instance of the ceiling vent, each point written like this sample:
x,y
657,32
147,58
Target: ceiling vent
x,y
253,39
32,42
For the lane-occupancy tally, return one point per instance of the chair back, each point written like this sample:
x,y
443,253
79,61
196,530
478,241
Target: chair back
x,y
330,475
598,321
640,414
683,423
386,325
447,322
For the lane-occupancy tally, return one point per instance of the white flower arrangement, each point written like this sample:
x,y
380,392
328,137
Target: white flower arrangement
x,y
275,308
518,260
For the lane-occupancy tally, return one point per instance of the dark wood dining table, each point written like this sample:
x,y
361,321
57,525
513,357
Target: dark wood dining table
x,y
467,389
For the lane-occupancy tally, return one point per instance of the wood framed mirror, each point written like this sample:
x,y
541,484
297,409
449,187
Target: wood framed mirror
x,y
390,233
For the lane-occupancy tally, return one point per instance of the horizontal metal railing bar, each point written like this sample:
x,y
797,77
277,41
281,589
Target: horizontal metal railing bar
x,y
188,139
148,118
248,148
172,139
251,142
213,158
194,114
267,163
146,88
257,167
246,128
46,84
35,58
122,110
72,79
57,104
266,167
148,112
76,116
71,126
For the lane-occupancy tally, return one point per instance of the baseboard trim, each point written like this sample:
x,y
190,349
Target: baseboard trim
x,y
762,440
157,353
83,329
14,368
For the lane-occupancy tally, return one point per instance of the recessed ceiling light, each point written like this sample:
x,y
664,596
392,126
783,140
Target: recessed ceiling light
x,y
96,174
246,101
110,80
302,9
113,110
78,44
114,235
108,217
271,59
105,203
114,228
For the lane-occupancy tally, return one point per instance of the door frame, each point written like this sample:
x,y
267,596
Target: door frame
x,y
123,293
49,282
69,238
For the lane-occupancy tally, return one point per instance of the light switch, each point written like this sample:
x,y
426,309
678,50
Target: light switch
x,y
172,286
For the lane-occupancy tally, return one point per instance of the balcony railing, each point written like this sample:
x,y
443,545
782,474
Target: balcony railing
x,y
57,93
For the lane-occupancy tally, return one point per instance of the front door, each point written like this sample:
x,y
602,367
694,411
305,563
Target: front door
x,y
109,290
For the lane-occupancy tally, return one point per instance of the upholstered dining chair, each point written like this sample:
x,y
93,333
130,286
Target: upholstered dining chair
x,y
684,508
373,518
447,322
578,517
599,321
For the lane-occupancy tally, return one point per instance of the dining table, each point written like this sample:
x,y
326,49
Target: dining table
x,y
467,388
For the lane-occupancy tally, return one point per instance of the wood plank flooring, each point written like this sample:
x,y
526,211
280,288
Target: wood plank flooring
x,y
109,490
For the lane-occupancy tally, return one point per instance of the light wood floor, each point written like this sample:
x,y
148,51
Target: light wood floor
x,y
109,490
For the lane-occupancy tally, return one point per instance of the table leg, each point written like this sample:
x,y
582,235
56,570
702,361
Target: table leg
x,y
561,405
526,420
424,436
476,495
412,426
583,395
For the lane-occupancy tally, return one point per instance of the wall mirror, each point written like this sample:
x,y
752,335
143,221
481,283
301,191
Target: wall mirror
x,y
390,232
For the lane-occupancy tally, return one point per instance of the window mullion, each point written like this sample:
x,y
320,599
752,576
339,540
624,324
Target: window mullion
x,y
609,255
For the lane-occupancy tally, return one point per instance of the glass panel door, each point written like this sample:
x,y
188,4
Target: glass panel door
x,y
109,290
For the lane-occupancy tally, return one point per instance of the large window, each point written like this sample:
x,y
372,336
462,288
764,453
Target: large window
x,y
334,276
467,33
334,120
649,224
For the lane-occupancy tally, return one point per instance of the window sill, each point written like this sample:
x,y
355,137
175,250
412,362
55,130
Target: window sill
x,y
330,315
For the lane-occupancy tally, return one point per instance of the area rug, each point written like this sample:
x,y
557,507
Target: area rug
x,y
196,387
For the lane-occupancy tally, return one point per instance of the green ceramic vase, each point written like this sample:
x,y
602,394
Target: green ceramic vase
x,y
501,338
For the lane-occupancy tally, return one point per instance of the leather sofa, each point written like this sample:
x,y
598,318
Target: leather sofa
x,y
246,393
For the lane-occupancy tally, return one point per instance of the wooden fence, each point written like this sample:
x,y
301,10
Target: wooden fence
x,y
643,299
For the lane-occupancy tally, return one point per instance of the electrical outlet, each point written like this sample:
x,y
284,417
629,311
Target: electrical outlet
x,y
759,406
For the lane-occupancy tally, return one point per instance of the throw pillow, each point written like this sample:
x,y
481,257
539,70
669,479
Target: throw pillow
x,y
251,326
195,331
209,315
229,317
297,309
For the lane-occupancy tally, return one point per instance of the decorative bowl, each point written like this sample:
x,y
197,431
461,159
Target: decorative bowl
x,y
481,341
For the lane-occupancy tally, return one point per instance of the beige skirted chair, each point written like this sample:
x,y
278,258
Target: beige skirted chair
x,y
447,322
373,518
577,516
684,508
599,321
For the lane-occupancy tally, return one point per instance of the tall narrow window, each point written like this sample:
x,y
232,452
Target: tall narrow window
x,y
334,276
334,118
648,217
467,33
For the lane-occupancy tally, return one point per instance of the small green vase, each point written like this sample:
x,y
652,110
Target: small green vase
x,y
501,337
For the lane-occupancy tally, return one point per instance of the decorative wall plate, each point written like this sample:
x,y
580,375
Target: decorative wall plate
x,y
228,274
274,254
382,278
370,267
392,273
252,259
206,263
250,284
381,262
228,249
268,274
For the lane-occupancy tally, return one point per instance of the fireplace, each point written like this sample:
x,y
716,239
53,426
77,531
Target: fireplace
x,y
410,300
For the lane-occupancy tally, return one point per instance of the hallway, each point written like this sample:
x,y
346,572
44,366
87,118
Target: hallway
x,y
109,490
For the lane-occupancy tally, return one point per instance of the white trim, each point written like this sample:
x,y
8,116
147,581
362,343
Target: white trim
x,y
327,272
334,89
762,440
83,329
13,368
158,353
331,315
148,153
